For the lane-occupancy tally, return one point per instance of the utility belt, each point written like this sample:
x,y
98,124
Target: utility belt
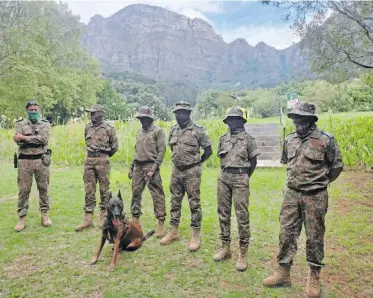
x,y
24,156
187,167
231,170
144,164
97,154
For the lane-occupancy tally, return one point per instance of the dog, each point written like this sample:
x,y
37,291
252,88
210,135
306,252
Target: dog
x,y
118,229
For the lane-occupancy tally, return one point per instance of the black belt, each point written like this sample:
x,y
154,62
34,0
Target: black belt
x,y
97,154
187,167
236,170
24,156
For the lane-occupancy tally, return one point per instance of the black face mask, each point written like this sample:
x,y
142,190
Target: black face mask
x,y
146,122
97,118
235,124
304,125
182,118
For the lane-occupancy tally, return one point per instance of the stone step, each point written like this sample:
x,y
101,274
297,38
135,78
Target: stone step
x,y
273,149
269,156
269,164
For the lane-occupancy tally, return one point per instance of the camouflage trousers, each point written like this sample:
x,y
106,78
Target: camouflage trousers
x,y
297,208
234,187
156,190
27,168
188,181
96,169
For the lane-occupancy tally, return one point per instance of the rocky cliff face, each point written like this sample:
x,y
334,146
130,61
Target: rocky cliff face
x,y
161,44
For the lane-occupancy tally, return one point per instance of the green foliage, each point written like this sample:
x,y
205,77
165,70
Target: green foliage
x,y
41,58
137,94
114,104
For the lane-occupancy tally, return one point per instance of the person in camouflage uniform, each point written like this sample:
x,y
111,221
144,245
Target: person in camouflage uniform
x,y
31,136
313,161
238,156
185,140
101,142
149,153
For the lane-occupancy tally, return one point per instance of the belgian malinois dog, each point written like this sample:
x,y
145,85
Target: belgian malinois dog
x,y
118,229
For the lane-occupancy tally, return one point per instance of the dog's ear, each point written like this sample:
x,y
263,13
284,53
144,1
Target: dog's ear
x,y
119,195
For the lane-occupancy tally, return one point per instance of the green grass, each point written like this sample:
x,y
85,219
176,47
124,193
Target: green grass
x,y
54,262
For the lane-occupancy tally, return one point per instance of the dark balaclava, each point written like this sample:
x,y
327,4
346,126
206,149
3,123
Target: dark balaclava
x,y
304,125
235,124
97,118
146,122
182,118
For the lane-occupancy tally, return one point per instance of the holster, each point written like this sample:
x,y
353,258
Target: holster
x,y
15,160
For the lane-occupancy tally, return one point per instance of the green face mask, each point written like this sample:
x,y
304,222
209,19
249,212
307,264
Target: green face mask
x,y
33,116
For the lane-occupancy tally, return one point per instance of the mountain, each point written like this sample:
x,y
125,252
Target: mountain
x,y
166,46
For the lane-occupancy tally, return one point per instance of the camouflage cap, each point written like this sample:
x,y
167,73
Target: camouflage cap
x,y
303,109
96,108
234,112
145,111
182,105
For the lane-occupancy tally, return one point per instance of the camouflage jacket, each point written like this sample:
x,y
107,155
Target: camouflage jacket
x,y
101,138
150,146
185,144
309,160
236,150
37,136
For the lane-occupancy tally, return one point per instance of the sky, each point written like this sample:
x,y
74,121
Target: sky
x,y
231,19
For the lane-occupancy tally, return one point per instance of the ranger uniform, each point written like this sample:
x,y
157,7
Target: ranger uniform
x,y
149,153
235,151
312,161
185,144
34,159
101,143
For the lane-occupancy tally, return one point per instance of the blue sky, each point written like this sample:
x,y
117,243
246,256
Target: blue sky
x,y
231,19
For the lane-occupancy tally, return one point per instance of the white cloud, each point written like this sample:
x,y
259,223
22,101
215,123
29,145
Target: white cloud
x,y
279,37
87,9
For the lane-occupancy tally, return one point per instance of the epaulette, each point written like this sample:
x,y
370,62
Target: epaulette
x,y
111,125
291,133
327,134
44,120
20,119
198,125
88,124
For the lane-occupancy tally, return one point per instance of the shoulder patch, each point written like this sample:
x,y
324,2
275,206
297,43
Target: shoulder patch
x,y
331,136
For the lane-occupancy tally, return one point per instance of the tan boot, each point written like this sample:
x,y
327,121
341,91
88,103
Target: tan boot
x,y
172,235
101,218
195,243
45,220
241,264
281,277
313,284
223,253
21,224
160,229
87,223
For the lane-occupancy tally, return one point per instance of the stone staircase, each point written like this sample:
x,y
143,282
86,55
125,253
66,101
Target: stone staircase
x,y
268,140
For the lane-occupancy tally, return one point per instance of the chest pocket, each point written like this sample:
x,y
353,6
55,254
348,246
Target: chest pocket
x,y
27,130
314,154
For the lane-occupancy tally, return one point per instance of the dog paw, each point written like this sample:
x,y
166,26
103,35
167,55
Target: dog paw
x,y
111,268
93,262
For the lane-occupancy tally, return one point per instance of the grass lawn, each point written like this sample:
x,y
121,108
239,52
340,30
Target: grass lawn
x,y
54,262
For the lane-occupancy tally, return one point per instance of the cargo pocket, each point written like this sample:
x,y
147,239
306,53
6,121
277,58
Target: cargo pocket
x,y
46,160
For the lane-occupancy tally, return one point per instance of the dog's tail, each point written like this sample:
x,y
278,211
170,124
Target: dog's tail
x,y
148,235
